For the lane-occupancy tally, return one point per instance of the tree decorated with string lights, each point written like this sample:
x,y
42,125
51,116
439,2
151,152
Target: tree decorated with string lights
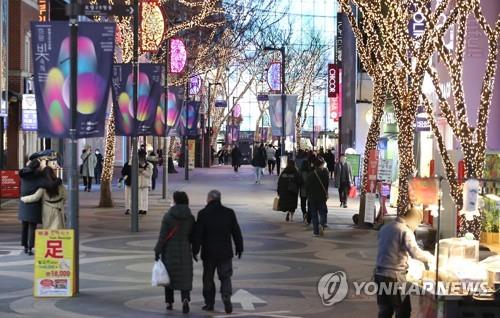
x,y
202,14
407,58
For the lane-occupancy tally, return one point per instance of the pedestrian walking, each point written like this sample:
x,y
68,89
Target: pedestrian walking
x,y
259,162
220,156
271,158
87,169
396,242
153,160
330,162
236,157
289,184
216,228
127,180
174,249
30,214
145,174
52,199
305,170
99,166
343,179
317,195
277,155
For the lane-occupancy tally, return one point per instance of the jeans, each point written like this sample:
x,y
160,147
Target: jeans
x,y
258,173
169,295
28,235
318,211
225,272
388,305
305,209
343,191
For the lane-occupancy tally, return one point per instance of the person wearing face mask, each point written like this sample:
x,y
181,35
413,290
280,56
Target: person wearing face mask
x,y
343,179
99,166
396,242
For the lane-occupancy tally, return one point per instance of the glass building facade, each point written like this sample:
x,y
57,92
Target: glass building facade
x,y
303,17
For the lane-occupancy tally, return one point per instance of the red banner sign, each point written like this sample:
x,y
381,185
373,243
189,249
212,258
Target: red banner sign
x,y
333,80
10,184
372,171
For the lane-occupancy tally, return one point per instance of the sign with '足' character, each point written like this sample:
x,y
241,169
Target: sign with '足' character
x,y
54,263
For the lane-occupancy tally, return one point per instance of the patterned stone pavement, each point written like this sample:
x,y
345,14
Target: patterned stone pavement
x,y
277,276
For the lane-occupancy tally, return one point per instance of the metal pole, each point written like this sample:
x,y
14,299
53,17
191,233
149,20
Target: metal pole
x,y
283,101
186,145
436,289
314,126
209,131
73,171
165,139
135,155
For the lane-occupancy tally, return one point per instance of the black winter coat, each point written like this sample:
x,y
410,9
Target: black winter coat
x,y
215,227
289,184
259,158
315,192
176,253
236,157
127,174
31,181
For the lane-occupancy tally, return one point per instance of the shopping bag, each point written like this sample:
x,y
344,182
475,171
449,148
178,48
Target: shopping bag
x,y
160,276
276,204
353,192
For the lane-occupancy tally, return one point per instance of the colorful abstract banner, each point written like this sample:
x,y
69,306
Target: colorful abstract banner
x,y
51,61
275,110
192,114
233,134
149,91
174,104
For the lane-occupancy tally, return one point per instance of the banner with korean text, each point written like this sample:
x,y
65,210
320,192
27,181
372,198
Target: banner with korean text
x,y
51,61
276,113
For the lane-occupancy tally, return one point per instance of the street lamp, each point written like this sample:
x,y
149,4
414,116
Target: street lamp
x,y
283,96
208,126
314,127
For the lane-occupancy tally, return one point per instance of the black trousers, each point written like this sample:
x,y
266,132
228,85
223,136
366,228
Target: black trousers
x,y
225,272
153,184
278,166
169,295
304,206
28,234
270,166
389,304
344,191
87,183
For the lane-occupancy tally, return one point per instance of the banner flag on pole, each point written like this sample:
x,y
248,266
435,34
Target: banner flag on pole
x,y
175,102
193,111
50,51
275,111
148,94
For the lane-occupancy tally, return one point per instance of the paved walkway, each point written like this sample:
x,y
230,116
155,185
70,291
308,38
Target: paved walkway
x,y
277,276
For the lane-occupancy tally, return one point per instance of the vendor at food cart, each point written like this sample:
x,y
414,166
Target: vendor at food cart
x,y
396,242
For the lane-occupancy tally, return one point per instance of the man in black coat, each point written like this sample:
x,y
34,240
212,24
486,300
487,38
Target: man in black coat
x,y
317,194
30,214
215,227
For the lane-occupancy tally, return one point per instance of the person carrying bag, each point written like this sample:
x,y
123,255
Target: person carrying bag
x,y
174,250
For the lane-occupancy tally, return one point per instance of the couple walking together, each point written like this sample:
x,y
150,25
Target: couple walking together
x,y
180,241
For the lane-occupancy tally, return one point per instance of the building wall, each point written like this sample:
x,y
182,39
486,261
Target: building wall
x,y
21,13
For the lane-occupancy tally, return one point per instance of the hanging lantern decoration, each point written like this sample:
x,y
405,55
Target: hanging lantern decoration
x,y
178,55
274,76
152,25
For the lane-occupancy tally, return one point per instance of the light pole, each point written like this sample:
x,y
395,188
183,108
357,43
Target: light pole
x,y
283,96
208,126
314,127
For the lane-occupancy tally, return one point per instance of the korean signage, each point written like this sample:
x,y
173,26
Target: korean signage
x,y
43,10
385,170
339,42
333,80
9,184
416,26
51,47
354,162
54,263
29,113
191,153
336,101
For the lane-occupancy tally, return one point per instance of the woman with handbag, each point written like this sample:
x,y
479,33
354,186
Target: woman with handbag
x,y
317,195
289,184
174,249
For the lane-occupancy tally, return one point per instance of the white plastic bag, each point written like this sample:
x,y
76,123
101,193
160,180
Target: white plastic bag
x,y
159,276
